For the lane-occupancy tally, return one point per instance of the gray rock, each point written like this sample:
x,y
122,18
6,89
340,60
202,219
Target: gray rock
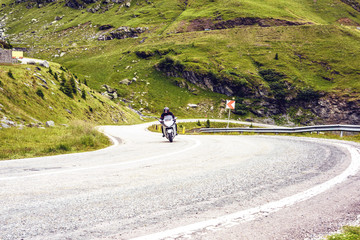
x,y
68,111
125,81
192,105
4,125
45,64
50,124
10,123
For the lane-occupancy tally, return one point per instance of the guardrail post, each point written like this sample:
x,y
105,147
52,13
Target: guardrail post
x,y
341,134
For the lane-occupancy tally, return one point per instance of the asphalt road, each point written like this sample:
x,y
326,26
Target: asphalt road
x,y
198,187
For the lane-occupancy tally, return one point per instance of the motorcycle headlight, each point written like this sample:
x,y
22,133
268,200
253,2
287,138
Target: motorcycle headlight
x,y
168,123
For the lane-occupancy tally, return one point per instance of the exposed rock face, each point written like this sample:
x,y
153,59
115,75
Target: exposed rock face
x,y
335,110
122,33
352,3
209,24
324,109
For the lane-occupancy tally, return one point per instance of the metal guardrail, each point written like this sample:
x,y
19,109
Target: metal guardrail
x,y
320,128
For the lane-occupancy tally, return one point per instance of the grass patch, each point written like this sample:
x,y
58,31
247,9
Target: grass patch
x,y
79,136
348,233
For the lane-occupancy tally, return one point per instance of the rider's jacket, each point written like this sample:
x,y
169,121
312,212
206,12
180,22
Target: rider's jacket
x,y
165,114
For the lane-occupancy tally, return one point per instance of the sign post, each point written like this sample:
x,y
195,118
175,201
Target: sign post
x,y
230,104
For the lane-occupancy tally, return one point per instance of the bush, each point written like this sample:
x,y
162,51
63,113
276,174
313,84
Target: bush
x,y
308,94
56,76
166,64
83,94
73,85
88,140
40,93
270,75
63,147
11,75
5,45
207,125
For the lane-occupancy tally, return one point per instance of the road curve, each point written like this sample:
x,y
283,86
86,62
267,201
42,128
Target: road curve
x,y
202,187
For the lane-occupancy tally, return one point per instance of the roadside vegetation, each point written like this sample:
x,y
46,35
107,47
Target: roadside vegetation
x,y
78,136
347,233
194,128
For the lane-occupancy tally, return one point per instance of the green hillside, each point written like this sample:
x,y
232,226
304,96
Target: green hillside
x,y
283,61
31,95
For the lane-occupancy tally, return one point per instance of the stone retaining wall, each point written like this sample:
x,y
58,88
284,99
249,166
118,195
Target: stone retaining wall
x,y
6,56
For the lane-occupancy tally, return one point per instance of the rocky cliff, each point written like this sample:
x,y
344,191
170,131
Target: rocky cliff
x,y
301,106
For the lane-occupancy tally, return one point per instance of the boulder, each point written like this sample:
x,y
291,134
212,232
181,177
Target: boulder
x,y
45,64
125,81
4,125
192,105
50,124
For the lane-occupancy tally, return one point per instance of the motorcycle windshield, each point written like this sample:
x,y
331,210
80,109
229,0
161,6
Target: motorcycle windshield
x,y
168,120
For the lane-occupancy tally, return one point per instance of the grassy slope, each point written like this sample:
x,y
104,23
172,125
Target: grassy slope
x,y
21,104
322,55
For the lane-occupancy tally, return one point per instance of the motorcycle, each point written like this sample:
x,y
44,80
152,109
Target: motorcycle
x,y
169,127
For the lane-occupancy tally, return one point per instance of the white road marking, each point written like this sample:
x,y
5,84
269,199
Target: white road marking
x,y
253,213
197,143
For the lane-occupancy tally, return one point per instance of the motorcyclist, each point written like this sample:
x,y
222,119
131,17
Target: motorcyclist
x,y
166,113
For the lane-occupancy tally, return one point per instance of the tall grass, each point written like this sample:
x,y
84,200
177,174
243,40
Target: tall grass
x,y
79,136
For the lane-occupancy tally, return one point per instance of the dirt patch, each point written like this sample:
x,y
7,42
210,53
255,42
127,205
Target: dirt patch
x,y
348,22
209,24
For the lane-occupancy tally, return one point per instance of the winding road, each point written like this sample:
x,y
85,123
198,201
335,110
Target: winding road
x,y
198,187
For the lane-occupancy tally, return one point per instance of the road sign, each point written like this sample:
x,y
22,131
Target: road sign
x,y
230,104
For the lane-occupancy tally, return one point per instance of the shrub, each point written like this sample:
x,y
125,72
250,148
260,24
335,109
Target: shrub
x,y
144,54
73,85
56,76
207,125
88,140
276,56
83,94
198,123
11,75
308,94
5,45
270,75
166,64
40,93
63,147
